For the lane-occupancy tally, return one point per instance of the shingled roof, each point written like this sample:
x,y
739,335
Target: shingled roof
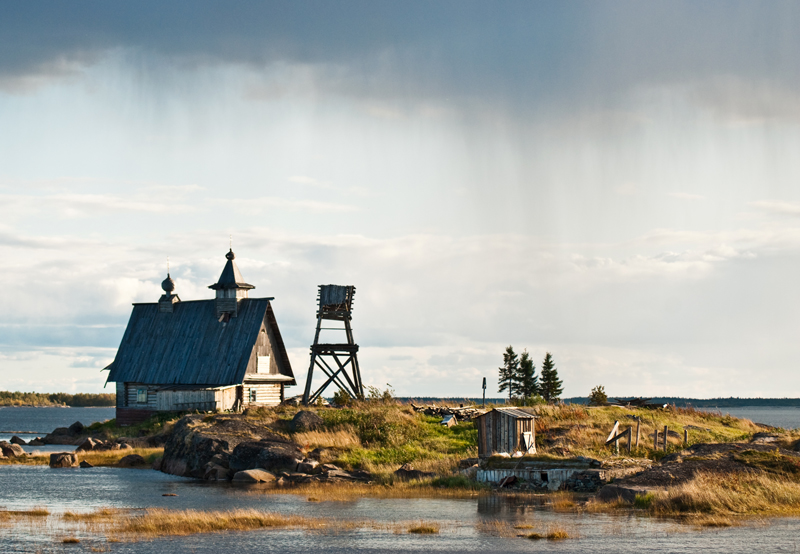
x,y
230,278
192,347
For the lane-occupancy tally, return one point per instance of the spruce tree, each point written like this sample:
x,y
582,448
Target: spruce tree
x,y
508,372
527,382
550,384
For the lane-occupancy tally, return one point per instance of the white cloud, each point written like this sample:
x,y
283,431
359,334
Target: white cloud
x,y
686,196
778,208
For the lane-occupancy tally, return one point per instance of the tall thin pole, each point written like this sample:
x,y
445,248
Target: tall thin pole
x,y
484,392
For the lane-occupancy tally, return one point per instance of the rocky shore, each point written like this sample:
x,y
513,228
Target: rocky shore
x,y
240,450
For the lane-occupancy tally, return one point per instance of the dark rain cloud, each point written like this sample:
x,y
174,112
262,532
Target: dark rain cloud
x,y
513,51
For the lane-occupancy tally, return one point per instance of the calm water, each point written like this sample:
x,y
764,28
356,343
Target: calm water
x,y
84,489
24,487
28,423
787,417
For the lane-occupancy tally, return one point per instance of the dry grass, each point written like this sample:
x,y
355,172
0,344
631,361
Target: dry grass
x,y
344,437
562,501
101,515
425,528
100,458
581,430
36,511
553,533
157,522
112,457
71,540
716,500
345,492
730,495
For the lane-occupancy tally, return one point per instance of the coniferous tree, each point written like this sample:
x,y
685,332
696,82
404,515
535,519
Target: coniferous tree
x,y
508,372
550,384
527,382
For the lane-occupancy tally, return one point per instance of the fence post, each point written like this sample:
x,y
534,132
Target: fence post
x,y
630,439
666,434
685,437
638,420
655,439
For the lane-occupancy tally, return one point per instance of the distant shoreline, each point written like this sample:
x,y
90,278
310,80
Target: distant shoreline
x,y
47,406
731,402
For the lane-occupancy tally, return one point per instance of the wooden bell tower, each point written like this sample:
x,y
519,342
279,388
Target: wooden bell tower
x,y
338,361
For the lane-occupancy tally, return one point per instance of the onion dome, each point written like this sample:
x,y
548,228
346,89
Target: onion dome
x,y
168,285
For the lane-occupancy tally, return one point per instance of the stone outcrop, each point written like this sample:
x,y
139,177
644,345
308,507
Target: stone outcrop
x,y
16,440
11,450
76,428
254,476
305,420
273,454
84,464
190,447
64,459
132,460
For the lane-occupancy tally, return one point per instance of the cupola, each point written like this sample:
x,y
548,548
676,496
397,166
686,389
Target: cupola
x,y
230,288
167,300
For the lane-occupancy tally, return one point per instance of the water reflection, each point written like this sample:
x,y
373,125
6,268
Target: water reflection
x,y
467,524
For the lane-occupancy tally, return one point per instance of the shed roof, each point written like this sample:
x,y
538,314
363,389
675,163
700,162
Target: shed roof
x,y
191,347
513,412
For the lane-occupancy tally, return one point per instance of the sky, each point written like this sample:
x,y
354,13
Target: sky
x,y
617,183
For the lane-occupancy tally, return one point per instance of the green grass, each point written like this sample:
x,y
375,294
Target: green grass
x,y
771,462
152,426
643,501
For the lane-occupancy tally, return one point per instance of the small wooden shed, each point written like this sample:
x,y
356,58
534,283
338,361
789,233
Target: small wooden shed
x,y
506,430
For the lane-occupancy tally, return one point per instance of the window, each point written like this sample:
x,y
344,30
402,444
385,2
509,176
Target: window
x,y
263,364
252,395
141,396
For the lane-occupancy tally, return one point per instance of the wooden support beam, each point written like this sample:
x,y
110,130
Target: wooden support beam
x,y
666,434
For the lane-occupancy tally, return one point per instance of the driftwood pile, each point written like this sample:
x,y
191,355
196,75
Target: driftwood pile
x,y
634,403
462,414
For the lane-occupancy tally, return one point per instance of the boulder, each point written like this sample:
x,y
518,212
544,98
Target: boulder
x,y
221,459
86,446
131,460
60,435
471,472
187,450
157,463
253,476
305,420
84,464
318,453
125,446
76,428
64,459
36,442
11,450
16,440
272,455
215,472
308,466
468,462
408,473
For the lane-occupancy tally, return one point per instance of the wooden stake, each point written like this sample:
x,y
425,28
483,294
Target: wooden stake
x,y
655,439
638,421
630,439
686,437
666,434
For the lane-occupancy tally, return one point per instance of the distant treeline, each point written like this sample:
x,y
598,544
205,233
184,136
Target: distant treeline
x,y
732,402
55,399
